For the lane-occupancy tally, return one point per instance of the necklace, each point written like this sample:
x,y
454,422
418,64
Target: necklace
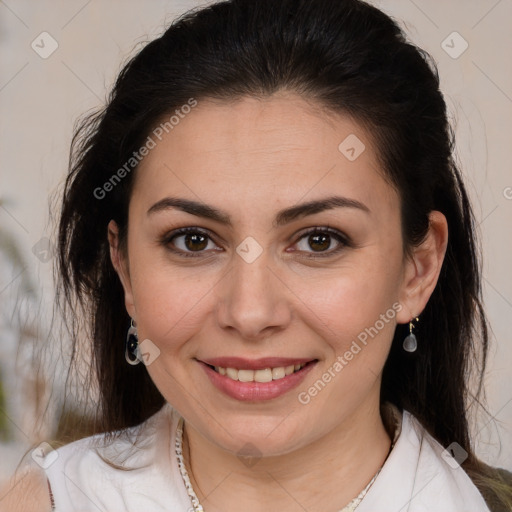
x,y
181,464
195,501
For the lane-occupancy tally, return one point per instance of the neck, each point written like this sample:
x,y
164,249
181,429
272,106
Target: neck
x,y
325,475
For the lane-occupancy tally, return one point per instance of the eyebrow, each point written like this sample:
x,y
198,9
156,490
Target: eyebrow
x,y
283,217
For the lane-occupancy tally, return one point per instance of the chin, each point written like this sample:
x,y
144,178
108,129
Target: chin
x,y
267,439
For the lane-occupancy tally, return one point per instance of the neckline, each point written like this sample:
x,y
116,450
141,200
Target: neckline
x,y
391,416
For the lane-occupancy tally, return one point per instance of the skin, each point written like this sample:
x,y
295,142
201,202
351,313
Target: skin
x,y
27,491
252,158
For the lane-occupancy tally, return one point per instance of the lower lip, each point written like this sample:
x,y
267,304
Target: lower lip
x,y
256,391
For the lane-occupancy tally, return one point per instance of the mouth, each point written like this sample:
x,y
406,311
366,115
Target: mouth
x,y
262,376
256,380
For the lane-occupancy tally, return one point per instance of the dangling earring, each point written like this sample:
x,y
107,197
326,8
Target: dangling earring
x,y
410,342
131,352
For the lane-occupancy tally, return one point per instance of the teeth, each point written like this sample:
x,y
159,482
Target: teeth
x,y
278,373
266,375
232,373
245,375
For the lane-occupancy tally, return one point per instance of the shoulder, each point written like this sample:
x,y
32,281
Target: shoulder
x,y
443,469
495,485
131,470
27,491
422,476
102,454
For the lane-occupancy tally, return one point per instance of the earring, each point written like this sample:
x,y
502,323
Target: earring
x,y
410,342
131,352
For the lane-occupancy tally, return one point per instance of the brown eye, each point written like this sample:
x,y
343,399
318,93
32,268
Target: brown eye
x,y
195,242
319,242
187,241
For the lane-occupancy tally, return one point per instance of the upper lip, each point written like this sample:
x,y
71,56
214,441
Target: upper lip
x,y
241,363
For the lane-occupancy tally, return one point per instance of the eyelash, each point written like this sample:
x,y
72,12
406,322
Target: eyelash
x,y
339,237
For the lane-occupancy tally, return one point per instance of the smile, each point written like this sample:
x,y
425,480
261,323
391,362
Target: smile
x,y
265,375
264,379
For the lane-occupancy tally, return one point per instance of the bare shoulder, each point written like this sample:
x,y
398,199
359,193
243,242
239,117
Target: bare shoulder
x,y
27,491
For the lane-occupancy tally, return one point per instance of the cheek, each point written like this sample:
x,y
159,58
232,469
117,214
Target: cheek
x,y
347,304
170,302
357,319
171,311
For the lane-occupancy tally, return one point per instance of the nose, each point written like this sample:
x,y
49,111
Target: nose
x,y
253,300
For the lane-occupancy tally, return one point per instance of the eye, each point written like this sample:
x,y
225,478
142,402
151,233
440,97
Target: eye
x,y
194,242
320,240
187,241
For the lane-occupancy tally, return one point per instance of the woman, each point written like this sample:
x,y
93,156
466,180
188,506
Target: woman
x,y
274,247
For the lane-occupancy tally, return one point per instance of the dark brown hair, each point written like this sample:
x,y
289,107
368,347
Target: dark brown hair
x,y
348,57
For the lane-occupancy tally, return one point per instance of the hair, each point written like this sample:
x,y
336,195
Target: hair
x,y
351,59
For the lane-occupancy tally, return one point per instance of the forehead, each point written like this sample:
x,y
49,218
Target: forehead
x,y
280,148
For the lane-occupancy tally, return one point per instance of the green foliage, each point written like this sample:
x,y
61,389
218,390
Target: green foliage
x,y
5,433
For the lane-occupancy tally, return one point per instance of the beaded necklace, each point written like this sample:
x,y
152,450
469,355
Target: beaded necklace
x,y
195,501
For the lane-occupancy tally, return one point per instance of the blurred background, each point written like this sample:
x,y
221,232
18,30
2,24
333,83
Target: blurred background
x,y
59,58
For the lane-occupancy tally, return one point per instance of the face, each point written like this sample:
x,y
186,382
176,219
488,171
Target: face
x,y
260,281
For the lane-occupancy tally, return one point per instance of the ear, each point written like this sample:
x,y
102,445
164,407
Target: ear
x,y
422,269
120,263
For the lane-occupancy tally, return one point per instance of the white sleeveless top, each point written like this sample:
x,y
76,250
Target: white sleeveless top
x,y
416,477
